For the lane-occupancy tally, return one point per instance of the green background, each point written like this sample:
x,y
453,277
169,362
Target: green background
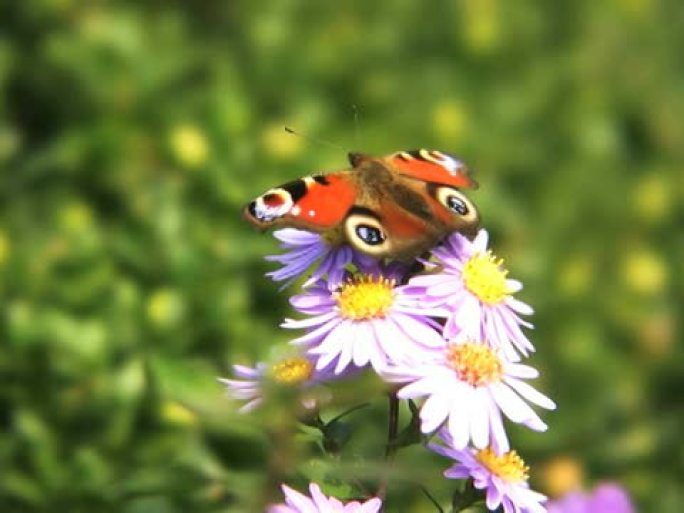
x,y
131,134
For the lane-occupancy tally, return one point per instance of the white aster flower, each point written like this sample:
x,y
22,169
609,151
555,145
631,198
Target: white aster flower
x,y
502,475
368,319
467,386
475,294
296,502
249,382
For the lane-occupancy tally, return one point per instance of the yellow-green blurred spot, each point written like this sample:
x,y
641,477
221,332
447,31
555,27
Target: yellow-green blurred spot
x,y
657,334
75,217
575,276
480,26
639,441
652,197
189,146
9,142
644,271
634,7
175,413
20,315
61,5
279,143
449,120
560,475
4,248
165,307
130,379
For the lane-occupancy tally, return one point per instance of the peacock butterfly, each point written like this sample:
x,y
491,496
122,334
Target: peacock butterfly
x,y
395,206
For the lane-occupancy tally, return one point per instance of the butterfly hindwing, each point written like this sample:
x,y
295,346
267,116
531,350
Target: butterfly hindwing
x,y
387,229
402,216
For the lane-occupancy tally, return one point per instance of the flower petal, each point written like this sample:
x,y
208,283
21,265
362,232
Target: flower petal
x,y
530,393
433,413
479,418
458,418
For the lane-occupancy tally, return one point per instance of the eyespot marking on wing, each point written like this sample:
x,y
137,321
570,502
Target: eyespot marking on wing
x,y
279,201
271,205
365,232
450,163
456,202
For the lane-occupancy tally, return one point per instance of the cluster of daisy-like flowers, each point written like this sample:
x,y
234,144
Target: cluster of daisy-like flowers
x,y
449,336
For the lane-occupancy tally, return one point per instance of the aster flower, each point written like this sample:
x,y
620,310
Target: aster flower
x,y
249,382
468,385
367,319
502,475
296,502
606,498
474,293
304,249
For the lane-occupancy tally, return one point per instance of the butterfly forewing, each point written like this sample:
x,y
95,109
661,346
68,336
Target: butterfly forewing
x,y
317,203
432,166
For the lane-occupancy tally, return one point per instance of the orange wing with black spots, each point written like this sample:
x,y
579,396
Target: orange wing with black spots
x,y
432,166
317,203
396,206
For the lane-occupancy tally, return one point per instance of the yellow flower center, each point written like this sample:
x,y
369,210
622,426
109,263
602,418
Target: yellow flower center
x,y
509,466
365,297
292,371
476,364
485,277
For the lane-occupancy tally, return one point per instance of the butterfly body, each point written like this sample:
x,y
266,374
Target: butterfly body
x,y
396,206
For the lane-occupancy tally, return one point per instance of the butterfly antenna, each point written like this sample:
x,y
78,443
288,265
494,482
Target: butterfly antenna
x,y
357,126
312,139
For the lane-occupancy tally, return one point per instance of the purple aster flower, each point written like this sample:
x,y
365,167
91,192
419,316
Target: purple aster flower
x,y
249,382
247,385
503,476
304,249
296,502
475,295
607,498
468,385
367,319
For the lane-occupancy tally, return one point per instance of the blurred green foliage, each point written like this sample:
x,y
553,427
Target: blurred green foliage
x,y
131,133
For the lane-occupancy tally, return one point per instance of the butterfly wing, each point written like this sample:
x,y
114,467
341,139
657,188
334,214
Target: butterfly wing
x,y
388,230
431,166
400,216
397,206
439,177
317,203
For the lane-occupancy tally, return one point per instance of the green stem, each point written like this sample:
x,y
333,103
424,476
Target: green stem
x,y
347,412
432,499
469,496
391,447
392,427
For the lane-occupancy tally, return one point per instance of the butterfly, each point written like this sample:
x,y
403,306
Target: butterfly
x,y
397,206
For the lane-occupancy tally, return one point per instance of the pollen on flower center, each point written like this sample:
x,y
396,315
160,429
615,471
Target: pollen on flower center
x,y
476,364
509,466
365,297
292,371
484,276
